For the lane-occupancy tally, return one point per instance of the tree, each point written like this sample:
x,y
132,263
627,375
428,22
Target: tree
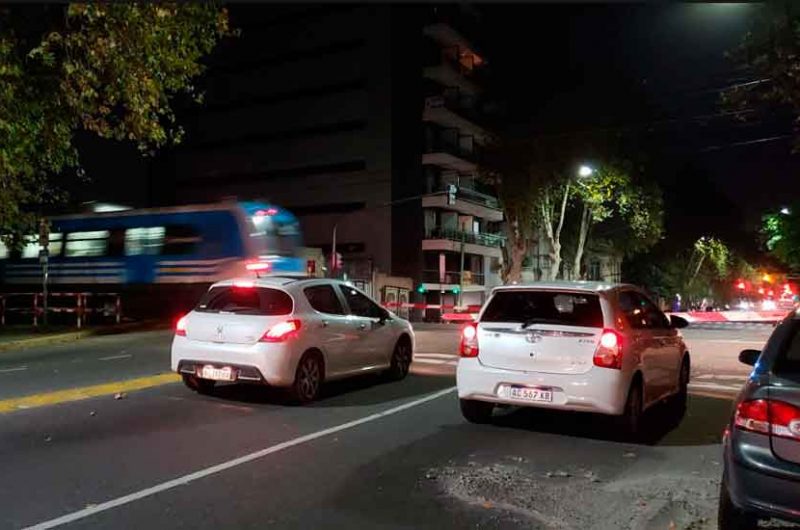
x,y
507,165
770,54
609,195
112,69
780,235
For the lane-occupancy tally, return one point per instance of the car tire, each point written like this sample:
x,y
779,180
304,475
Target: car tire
x,y
401,361
682,397
476,411
630,422
307,379
199,385
729,517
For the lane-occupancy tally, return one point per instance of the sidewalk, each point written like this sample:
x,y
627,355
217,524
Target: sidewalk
x,y
25,336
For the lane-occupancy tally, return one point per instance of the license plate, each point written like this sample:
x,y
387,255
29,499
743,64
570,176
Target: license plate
x,y
542,395
217,374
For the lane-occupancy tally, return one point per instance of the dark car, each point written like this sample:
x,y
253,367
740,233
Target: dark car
x,y
762,443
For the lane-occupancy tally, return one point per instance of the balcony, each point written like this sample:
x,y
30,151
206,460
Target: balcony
x,y
453,277
447,112
454,155
448,74
472,238
468,201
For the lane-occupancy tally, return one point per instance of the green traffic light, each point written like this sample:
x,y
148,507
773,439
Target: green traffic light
x,y
456,290
421,289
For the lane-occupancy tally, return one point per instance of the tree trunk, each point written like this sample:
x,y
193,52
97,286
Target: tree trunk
x,y
582,235
514,253
554,236
555,260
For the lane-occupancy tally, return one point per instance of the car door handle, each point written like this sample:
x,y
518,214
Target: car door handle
x,y
324,323
362,326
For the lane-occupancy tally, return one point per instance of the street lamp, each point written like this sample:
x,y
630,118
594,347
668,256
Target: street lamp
x,y
585,171
785,211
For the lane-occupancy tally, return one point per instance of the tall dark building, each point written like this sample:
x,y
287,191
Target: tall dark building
x,y
358,119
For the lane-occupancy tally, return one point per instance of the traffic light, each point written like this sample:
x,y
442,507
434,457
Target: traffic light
x,y
452,189
421,289
456,289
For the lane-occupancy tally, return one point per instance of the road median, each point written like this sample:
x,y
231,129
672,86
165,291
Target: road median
x,y
13,341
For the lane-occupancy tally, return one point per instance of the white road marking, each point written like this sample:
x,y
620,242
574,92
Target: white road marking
x,y
734,341
115,357
224,466
437,355
17,369
714,386
742,377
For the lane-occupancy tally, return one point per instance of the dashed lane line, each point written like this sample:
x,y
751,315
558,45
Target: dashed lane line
x,y
17,369
115,357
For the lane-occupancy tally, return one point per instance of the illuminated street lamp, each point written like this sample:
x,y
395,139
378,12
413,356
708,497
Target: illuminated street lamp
x,y
585,171
785,211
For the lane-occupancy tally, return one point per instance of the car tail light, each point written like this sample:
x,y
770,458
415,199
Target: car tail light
x,y
609,350
282,332
469,341
180,327
768,416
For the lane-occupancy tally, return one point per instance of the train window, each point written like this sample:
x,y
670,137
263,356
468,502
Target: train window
x,y
146,241
180,239
87,244
31,248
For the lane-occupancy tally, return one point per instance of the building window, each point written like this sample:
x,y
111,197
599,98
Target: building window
x,y
87,244
146,241
594,270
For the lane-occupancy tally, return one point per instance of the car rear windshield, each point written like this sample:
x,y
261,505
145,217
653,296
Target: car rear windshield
x,y
545,307
245,301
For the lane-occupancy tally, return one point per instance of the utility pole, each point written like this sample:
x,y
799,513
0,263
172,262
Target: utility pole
x,y
461,272
333,251
44,242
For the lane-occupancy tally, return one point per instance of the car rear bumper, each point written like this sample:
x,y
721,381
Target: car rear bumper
x,y
764,490
600,390
274,363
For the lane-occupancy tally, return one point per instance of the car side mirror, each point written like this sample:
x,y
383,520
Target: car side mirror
x,y
678,322
384,317
749,357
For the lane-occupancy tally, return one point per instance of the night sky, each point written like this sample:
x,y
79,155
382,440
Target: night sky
x,y
648,73
652,73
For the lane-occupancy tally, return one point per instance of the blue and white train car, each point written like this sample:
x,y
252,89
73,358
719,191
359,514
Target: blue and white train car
x,y
160,251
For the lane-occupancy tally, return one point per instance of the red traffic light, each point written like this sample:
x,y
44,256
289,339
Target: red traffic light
x,y
741,285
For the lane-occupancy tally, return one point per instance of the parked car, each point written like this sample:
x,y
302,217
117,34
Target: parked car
x,y
581,346
286,332
761,477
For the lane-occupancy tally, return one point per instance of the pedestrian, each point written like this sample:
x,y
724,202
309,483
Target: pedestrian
x,y
676,303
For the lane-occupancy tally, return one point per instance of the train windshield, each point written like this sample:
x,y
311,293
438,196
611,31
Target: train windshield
x,y
271,237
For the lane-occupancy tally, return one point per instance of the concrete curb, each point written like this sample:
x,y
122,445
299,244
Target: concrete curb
x,y
78,335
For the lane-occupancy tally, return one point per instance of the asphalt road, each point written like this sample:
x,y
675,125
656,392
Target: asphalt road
x,y
368,455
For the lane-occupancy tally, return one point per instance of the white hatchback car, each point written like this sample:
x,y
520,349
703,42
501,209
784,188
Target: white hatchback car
x,y
581,346
288,332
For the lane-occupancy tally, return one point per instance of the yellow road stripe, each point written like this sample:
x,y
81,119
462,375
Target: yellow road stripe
x,y
75,394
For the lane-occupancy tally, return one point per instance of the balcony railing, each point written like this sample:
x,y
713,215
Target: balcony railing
x,y
486,240
453,277
471,195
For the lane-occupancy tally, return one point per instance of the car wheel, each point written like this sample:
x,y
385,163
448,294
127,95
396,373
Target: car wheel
x,y
476,411
307,379
199,385
631,420
729,516
401,361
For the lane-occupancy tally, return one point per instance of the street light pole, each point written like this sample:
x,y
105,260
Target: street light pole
x,y
333,250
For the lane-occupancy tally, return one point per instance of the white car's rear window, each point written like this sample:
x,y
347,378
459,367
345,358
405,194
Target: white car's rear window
x,y
245,301
545,307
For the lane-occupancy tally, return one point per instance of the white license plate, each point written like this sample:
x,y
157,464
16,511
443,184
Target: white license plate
x,y
542,395
217,374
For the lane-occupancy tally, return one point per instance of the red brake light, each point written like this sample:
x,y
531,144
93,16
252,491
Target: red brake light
x,y
609,350
180,327
769,416
469,341
281,332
